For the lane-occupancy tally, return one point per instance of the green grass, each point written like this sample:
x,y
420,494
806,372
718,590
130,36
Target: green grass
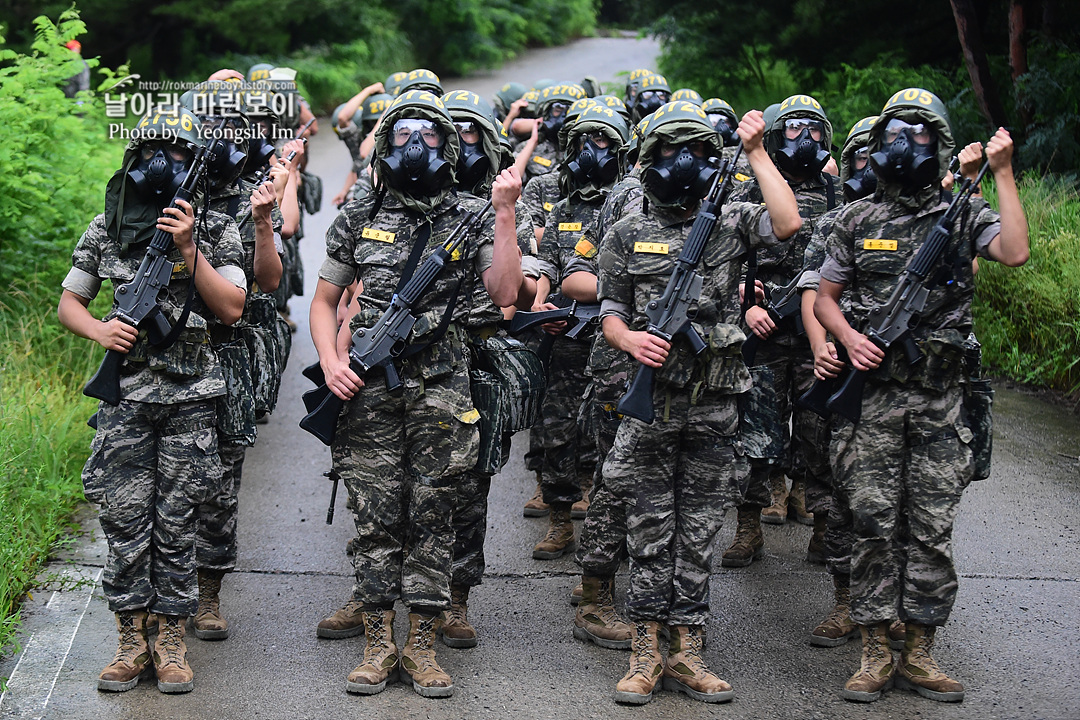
x,y
1028,318
43,437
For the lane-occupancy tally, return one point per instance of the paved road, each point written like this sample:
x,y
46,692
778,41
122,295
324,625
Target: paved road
x,y
1012,639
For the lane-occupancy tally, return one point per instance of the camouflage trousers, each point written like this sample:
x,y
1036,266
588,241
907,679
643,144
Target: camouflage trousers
x,y
603,534
567,448
534,456
215,543
903,468
676,478
400,457
150,467
805,455
470,524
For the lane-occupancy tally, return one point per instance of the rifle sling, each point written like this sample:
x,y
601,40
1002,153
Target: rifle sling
x,y
181,323
419,244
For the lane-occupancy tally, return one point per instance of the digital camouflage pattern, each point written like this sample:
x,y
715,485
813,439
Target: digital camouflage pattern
x,y
188,369
539,199
545,158
353,136
150,466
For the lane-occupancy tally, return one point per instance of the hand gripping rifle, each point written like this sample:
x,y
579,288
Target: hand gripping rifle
x,y
261,176
891,323
782,303
577,316
137,301
378,346
669,314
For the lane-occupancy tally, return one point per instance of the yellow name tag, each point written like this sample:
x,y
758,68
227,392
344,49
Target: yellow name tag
x,y
569,227
548,207
741,178
470,417
380,235
585,249
542,161
456,255
655,248
878,244
178,268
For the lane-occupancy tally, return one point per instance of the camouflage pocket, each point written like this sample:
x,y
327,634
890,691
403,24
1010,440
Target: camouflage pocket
x,y
942,365
236,408
207,472
488,397
725,371
759,417
268,342
93,471
979,419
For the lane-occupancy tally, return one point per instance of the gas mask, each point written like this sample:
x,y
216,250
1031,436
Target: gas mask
x,y
415,165
680,174
863,181
594,162
160,171
473,164
224,159
554,117
260,150
649,101
802,153
908,155
723,125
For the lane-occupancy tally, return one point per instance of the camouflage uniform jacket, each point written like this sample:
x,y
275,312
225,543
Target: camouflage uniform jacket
x,y
377,252
567,247
780,264
545,159
636,259
871,244
353,136
540,197
187,370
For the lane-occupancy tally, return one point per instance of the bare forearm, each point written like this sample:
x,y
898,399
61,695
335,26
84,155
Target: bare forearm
x,y
503,278
815,331
615,330
290,208
323,320
223,298
827,310
780,201
267,260
1012,244
76,317
580,286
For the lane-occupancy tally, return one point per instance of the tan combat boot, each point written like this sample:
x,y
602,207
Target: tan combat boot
x,y
596,620
418,659
646,666
897,635
560,535
455,628
837,628
346,622
575,594
816,551
686,671
748,543
380,665
174,675
209,623
536,507
132,654
776,514
920,672
580,509
796,502
876,669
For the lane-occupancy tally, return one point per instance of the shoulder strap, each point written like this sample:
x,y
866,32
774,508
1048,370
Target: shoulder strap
x,y
830,191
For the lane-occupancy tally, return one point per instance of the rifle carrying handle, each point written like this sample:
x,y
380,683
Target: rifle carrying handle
x,y
637,402
105,385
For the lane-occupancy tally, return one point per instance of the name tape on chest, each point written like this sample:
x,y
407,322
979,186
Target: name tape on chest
x,y
569,227
179,268
380,235
541,161
741,178
584,248
548,207
878,244
651,247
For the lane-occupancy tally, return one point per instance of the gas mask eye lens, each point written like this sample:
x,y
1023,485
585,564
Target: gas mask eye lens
x,y
178,153
468,132
860,157
795,127
920,133
668,150
404,129
598,139
557,110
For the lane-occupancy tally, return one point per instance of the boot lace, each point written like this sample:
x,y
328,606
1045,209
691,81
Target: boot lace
x,y
876,654
377,637
457,613
129,645
641,651
920,656
170,640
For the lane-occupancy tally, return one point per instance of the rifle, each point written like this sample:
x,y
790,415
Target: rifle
x,y
137,301
669,315
782,303
578,317
892,322
378,346
260,177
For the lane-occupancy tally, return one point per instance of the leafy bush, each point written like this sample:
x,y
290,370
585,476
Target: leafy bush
x,y
1051,91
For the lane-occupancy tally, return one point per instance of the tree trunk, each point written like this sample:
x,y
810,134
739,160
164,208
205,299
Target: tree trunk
x,y
1017,44
967,26
1049,18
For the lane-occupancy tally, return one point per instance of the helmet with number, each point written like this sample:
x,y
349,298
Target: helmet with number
x,y
259,71
858,182
571,116
799,137
633,147
911,142
480,160
591,86
687,94
507,95
220,106
356,118
416,150
282,83
633,82
554,101
652,92
595,152
723,118
507,147
615,103
392,84
532,98
372,110
156,163
421,79
678,152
